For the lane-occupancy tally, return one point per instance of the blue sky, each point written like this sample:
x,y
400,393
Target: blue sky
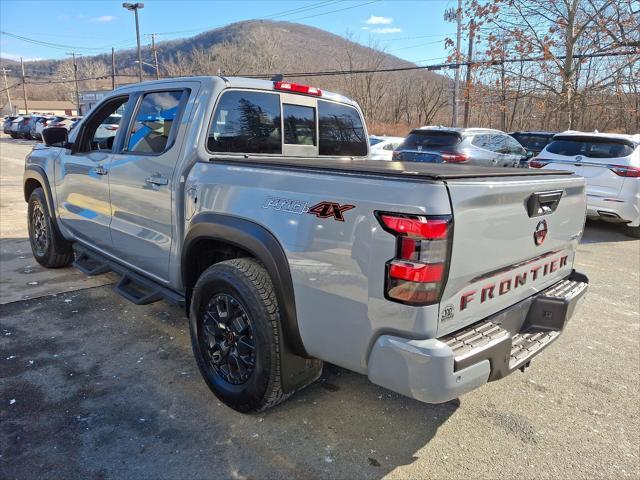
x,y
413,30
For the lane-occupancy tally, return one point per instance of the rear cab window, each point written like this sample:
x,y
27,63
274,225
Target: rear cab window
x,y
278,123
430,140
590,147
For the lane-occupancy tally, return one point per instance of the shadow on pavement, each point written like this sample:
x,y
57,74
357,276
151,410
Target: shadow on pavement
x,y
21,277
597,232
17,141
95,387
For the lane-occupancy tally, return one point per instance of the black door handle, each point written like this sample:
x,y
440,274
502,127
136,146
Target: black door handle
x,y
543,203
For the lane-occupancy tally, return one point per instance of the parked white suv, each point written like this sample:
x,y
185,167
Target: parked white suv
x,y
611,165
381,148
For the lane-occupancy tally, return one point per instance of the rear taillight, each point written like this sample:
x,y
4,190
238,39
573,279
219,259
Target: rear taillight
x,y
417,273
537,163
454,157
625,171
297,88
112,128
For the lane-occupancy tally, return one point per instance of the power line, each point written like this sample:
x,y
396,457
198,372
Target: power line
x,y
432,67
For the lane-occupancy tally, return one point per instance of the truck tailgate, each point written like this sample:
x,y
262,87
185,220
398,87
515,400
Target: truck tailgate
x,y
496,260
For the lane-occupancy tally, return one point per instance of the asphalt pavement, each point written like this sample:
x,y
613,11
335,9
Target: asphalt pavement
x,y
94,387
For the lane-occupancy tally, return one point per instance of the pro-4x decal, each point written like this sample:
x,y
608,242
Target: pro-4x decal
x,y
330,209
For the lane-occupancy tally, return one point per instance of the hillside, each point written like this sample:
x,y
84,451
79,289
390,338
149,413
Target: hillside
x,y
268,47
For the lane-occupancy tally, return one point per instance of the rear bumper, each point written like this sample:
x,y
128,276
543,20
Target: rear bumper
x,y
439,370
615,209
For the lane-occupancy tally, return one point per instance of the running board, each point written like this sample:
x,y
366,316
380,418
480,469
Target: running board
x,y
133,286
136,292
89,265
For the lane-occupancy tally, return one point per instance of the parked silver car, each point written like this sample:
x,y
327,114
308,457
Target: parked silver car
x,y
476,146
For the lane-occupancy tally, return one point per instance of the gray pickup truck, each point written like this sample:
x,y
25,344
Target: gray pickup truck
x,y
254,204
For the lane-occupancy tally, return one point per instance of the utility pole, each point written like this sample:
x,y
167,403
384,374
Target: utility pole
x,y
113,68
467,92
24,88
6,88
450,15
503,116
75,79
155,55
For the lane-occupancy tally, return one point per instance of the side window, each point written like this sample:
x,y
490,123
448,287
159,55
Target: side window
x,y
299,124
154,121
481,141
514,146
500,144
101,127
246,122
341,130
390,146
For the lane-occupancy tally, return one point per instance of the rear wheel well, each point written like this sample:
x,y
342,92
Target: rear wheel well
x,y
29,186
202,254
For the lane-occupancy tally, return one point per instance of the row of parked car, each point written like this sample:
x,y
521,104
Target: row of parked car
x,y
479,146
609,162
30,127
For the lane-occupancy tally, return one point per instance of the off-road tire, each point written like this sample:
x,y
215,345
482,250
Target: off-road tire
x,y
54,251
246,280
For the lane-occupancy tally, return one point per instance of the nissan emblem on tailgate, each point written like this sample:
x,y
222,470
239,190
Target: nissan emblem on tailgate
x,y
540,233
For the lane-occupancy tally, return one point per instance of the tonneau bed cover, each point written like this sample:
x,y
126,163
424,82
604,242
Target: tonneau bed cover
x,y
420,170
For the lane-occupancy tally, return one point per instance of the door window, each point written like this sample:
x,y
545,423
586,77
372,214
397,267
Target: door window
x,y
99,132
154,122
299,124
482,141
246,122
514,147
341,130
499,144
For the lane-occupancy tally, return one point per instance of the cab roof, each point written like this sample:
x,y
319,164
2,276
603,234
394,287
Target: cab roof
x,y
233,82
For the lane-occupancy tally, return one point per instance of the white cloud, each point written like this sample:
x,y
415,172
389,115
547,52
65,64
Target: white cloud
x,y
386,30
374,20
104,18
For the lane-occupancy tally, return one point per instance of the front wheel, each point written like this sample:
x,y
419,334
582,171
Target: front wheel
x,y
49,248
235,334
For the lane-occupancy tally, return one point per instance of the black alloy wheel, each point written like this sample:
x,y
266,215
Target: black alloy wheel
x,y
227,339
40,236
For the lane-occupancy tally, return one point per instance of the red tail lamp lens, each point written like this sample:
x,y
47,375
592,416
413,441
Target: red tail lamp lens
x,y
416,274
625,171
417,226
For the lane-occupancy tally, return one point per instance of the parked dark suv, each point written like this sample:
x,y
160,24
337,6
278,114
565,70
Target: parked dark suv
x,y
533,142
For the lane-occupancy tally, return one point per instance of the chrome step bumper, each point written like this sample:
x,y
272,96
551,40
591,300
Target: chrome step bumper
x,y
509,342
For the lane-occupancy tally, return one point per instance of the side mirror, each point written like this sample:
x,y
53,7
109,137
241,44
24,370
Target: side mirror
x,y
55,137
529,154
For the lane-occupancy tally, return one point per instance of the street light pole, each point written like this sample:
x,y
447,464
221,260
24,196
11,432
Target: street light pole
x,y
135,7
